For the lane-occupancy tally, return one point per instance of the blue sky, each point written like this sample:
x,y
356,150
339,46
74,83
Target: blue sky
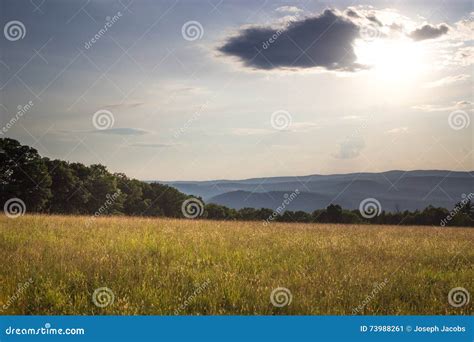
x,y
170,90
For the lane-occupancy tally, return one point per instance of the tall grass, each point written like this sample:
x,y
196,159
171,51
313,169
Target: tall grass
x,y
159,266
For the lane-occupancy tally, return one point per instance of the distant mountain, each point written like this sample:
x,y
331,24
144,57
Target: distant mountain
x,y
395,190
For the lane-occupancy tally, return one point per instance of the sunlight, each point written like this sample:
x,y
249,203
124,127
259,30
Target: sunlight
x,y
392,60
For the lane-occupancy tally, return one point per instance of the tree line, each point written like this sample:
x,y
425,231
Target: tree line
x,y
60,187
461,215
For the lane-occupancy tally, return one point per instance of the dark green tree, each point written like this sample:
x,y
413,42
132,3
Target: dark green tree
x,y
24,175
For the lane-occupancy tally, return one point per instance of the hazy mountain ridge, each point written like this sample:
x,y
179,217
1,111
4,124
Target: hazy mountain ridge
x,y
396,190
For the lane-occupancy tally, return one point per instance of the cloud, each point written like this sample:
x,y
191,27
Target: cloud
x,y
464,56
350,12
302,126
251,131
428,31
322,41
121,131
448,80
464,28
374,19
294,127
350,148
289,9
398,130
151,145
462,105
124,105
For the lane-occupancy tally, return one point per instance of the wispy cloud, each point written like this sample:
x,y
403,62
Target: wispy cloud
x,y
448,80
302,126
121,131
398,130
350,148
294,127
289,9
151,145
251,131
463,105
124,105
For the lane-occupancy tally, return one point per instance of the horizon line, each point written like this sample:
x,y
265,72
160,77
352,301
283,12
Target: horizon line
x,y
302,176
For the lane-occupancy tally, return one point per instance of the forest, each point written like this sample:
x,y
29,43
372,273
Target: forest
x,y
61,187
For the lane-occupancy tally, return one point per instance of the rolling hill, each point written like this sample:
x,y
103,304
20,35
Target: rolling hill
x,y
395,190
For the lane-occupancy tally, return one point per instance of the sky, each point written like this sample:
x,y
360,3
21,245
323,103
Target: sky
x,y
199,90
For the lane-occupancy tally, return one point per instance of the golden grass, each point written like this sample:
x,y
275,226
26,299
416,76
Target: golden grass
x,y
154,265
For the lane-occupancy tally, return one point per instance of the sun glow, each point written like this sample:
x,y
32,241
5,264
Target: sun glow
x,y
397,60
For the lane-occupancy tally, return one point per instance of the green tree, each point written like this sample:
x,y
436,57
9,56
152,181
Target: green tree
x,y
24,174
68,196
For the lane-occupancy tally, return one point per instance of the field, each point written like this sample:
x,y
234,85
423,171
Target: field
x,y
53,264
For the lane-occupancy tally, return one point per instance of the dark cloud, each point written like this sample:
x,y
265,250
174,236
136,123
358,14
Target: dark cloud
x,y
352,13
327,41
428,31
374,19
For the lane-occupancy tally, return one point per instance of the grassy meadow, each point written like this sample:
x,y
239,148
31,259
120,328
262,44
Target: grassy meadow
x,y
199,267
